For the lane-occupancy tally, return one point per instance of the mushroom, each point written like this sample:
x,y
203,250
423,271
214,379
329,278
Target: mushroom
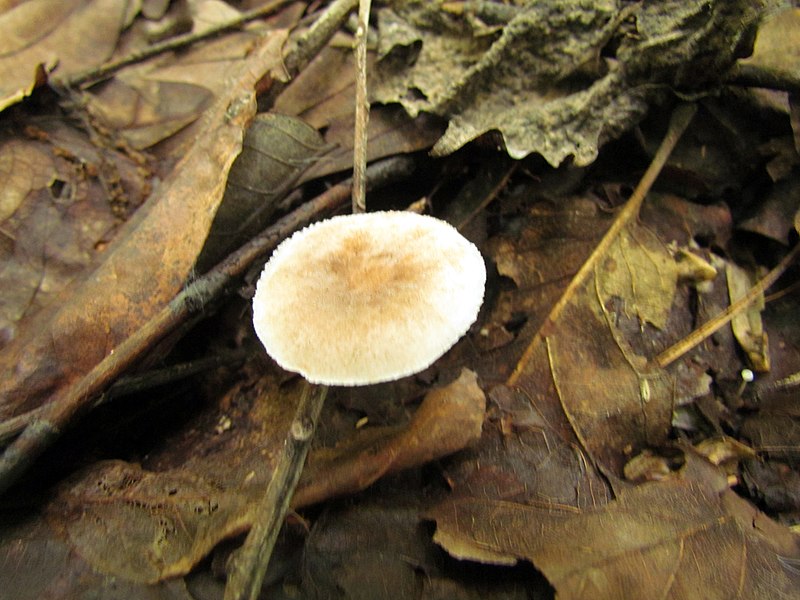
x,y
354,300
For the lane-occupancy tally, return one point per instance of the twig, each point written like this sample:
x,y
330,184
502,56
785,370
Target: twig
x,y
675,351
249,567
306,46
681,117
95,74
362,110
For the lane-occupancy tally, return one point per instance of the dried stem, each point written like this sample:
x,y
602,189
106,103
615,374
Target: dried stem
x,y
250,565
362,111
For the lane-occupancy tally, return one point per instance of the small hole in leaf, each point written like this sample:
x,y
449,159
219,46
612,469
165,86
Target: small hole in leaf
x,y
59,189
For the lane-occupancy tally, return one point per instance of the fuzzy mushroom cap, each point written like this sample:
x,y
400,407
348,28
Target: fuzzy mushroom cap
x,y
365,298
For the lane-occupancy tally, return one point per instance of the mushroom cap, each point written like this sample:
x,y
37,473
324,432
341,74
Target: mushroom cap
x,y
370,297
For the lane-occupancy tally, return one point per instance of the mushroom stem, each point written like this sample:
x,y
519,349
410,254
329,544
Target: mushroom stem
x,y
250,565
362,111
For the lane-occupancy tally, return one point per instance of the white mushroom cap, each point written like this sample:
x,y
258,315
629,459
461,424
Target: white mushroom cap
x,y
365,298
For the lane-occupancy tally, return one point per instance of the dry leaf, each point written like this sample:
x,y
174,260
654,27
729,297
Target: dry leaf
x,y
602,384
147,264
277,150
449,419
675,539
544,73
778,42
60,204
145,111
38,565
171,518
747,325
68,36
143,526
323,95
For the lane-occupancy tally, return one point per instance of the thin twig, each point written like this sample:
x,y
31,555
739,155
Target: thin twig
x,y
249,567
362,110
100,72
307,45
681,117
675,351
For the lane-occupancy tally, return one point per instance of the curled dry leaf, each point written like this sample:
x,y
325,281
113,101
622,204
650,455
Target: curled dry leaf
x,y
449,419
558,77
747,325
277,150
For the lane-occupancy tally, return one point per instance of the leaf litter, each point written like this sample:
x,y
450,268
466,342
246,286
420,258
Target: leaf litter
x,y
573,401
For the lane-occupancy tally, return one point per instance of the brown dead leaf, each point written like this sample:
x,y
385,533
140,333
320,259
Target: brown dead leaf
x,y
155,100
681,538
197,490
143,526
276,151
775,216
449,419
66,36
602,385
146,111
641,272
528,453
147,264
37,565
608,395
60,204
375,549
149,103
